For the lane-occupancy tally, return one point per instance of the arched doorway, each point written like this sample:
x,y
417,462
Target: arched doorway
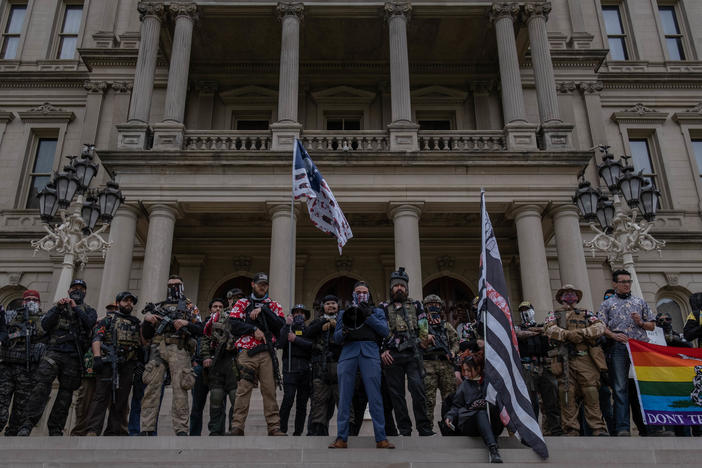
x,y
456,295
341,287
241,282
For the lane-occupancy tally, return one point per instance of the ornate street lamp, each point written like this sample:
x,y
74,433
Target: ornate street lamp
x,y
620,235
76,236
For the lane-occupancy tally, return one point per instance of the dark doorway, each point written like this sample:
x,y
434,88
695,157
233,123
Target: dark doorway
x,y
341,287
241,282
456,295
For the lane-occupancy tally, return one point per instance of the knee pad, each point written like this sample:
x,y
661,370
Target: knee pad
x,y
591,393
249,374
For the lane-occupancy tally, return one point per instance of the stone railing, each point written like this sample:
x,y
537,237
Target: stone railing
x,y
462,140
363,140
227,140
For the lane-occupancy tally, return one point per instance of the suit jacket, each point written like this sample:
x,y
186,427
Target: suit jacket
x,y
368,349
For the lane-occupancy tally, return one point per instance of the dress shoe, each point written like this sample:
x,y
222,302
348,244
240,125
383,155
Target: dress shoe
x,y
338,443
384,444
236,432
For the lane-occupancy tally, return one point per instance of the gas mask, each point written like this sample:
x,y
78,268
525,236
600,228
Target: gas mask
x,y
176,292
32,307
77,295
527,317
360,298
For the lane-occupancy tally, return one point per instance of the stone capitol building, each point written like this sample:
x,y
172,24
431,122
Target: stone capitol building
x,y
408,108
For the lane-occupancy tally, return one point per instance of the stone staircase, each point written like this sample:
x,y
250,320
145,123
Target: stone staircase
x,y
299,452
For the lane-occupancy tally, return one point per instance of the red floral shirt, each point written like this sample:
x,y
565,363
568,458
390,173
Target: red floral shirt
x,y
239,312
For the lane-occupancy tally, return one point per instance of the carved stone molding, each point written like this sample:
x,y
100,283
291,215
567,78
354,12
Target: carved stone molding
x,y
692,116
566,87
344,263
504,10
14,278
445,262
398,8
697,109
121,87
156,9
284,9
639,113
640,109
46,112
533,10
242,263
96,87
6,116
591,87
183,9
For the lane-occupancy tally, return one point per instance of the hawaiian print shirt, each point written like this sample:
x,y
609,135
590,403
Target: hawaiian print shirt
x,y
616,312
239,312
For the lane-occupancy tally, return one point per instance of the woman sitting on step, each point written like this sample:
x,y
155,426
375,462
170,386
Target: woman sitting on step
x,y
468,413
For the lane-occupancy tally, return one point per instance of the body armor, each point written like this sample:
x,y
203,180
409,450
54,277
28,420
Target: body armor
x,y
402,325
221,333
174,311
128,336
69,329
16,351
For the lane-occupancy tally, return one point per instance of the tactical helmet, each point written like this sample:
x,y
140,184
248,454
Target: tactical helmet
x,y
78,282
433,298
399,277
125,294
526,304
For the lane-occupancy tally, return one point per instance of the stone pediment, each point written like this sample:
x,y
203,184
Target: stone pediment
x,y
249,94
439,94
639,113
691,116
343,94
46,112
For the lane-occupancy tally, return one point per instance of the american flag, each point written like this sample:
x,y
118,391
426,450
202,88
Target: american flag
x,y
325,212
505,384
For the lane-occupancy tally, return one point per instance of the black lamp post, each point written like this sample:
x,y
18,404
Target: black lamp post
x,y
109,200
48,202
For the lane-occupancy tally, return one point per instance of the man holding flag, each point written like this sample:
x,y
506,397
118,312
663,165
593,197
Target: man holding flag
x,y
505,385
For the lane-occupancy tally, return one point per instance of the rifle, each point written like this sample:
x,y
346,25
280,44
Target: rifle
x,y
27,329
564,353
269,346
66,309
168,318
412,340
440,341
112,357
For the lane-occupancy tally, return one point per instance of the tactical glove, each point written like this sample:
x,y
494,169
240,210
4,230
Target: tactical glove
x,y
97,364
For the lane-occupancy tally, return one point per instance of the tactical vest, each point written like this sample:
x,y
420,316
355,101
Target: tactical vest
x,y
221,332
14,325
576,319
396,321
69,329
438,329
534,346
171,309
128,337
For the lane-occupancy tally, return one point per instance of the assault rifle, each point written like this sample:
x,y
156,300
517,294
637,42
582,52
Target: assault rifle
x,y
269,343
111,354
564,354
440,338
26,330
221,344
67,310
167,318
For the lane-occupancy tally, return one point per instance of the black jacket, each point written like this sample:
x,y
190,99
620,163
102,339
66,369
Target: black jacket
x,y
693,326
315,333
468,392
301,349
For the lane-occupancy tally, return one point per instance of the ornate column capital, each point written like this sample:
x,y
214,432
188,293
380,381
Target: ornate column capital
x,y
122,87
95,87
188,9
504,10
537,10
398,8
591,87
155,9
566,87
290,8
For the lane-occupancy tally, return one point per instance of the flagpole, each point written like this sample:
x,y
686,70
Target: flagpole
x,y
293,233
484,289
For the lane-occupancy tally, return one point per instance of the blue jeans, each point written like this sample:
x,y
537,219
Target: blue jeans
x,y
618,363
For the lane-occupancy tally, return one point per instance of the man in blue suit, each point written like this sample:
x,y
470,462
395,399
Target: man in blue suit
x,y
358,330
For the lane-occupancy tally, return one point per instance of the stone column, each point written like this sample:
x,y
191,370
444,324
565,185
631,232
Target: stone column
x,y
520,134
93,105
571,256
593,106
405,217
287,128
118,263
157,255
133,135
536,285
557,136
169,134
403,132
282,272
189,267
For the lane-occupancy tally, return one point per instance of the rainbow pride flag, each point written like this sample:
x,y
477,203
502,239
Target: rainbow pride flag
x,y
668,382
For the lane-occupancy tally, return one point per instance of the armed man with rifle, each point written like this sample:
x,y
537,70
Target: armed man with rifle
x,y
69,325
256,321
402,356
22,343
535,350
579,362
172,328
440,348
116,351
218,353
325,356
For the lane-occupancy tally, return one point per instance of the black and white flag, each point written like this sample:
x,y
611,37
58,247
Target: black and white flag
x,y
505,384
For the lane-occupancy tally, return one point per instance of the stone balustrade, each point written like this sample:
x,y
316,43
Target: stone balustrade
x,y
462,140
227,140
368,140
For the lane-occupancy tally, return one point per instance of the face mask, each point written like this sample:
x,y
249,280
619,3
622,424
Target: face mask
x,y
433,308
329,317
569,298
298,320
32,307
527,316
175,292
77,295
360,298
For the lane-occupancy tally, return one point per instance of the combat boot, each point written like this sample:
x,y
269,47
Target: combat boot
x,y
24,432
147,433
277,433
236,432
494,454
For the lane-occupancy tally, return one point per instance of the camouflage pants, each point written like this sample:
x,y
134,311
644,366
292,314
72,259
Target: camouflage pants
x,y
177,360
15,381
222,381
439,376
68,368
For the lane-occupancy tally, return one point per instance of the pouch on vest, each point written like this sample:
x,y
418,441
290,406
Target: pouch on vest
x,y
556,366
187,378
